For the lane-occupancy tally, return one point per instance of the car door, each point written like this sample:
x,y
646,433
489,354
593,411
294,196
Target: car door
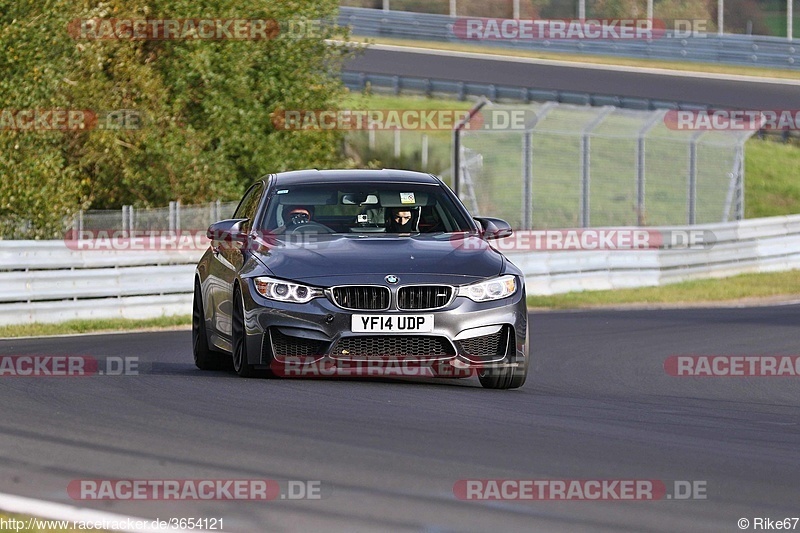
x,y
226,262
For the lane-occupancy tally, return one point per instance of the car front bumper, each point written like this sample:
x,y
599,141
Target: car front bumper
x,y
466,335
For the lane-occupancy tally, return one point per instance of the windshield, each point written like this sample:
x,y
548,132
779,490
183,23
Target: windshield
x,y
364,208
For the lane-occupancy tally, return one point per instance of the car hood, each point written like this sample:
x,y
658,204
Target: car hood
x,y
338,259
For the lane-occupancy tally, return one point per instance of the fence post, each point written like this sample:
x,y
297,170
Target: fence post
x,y
424,151
586,148
527,165
692,215
171,216
125,227
457,144
397,146
740,184
641,174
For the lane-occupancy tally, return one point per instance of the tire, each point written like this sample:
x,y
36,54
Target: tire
x,y
204,357
239,352
505,378
508,377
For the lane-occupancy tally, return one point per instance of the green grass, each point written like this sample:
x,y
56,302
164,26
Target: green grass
x,y
772,179
776,22
86,326
746,286
689,66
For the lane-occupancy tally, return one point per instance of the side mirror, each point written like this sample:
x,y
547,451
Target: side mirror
x,y
228,230
494,228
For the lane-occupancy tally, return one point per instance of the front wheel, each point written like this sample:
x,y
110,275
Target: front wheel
x,y
503,378
204,357
239,353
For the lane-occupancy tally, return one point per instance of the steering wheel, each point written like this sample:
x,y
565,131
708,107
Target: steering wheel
x,y
308,227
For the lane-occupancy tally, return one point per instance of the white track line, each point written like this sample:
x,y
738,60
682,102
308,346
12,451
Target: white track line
x,y
578,64
59,511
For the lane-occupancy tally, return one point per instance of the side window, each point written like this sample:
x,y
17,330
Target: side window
x,y
249,204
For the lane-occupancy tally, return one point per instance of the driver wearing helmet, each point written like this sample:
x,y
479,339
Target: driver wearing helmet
x,y
295,215
402,220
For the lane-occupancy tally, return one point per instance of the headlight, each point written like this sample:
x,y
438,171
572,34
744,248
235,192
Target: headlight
x,y
286,291
486,291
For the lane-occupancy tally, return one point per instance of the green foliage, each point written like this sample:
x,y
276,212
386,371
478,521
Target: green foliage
x,y
205,105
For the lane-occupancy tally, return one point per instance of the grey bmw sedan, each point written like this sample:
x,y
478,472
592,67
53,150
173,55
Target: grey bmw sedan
x,y
359,273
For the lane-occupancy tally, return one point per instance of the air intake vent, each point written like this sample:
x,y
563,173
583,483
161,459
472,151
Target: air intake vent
x,y
365,298
423,297
393,346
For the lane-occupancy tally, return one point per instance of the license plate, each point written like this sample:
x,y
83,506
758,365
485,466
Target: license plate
x,y
391,323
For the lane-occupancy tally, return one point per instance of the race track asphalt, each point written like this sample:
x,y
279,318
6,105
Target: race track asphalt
x,y
719,93
598,405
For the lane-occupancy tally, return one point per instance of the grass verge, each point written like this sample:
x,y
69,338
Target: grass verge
x,y
87,326
782,285
687,66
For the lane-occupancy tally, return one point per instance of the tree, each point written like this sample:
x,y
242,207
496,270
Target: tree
x,y
204,105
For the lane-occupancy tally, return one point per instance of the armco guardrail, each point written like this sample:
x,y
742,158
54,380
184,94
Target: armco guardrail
x,y
747,246
710,48
358,81
45,281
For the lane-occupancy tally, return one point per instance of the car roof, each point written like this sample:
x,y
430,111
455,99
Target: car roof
x,y
355,175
